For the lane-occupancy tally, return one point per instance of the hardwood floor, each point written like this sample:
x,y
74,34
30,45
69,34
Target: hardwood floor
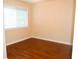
x,y
38,49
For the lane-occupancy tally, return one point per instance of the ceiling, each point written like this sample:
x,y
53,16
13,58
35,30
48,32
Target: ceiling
x,y
32,1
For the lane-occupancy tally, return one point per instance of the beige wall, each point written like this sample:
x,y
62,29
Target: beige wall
x,y
14,35
50,19
53,20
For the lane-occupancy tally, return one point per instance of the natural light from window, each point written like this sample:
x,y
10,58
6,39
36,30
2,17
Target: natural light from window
x,y
15,18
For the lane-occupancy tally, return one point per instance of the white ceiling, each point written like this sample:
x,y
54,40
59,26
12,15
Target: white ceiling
x,y
32,1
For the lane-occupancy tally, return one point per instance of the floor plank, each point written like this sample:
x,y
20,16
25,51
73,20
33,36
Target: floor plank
x,y
38,49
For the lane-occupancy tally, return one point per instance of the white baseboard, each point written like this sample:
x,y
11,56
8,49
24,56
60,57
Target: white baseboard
x,y
5,58
66,43
39,38
18,40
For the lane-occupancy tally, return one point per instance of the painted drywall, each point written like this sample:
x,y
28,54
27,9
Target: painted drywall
x,y
15,35
33,1
53,20
50,19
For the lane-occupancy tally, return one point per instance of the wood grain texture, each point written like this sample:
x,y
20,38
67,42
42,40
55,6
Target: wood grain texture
x,y
38,49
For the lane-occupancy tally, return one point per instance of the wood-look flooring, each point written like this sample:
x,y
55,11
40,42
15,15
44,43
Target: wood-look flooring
x,y
38,49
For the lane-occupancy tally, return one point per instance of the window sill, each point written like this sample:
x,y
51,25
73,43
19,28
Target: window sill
x,y
15,28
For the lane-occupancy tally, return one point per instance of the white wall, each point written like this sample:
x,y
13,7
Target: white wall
x,y
50,19
2,47
53,20
18,34
75,52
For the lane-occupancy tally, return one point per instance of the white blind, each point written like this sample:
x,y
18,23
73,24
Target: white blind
x,y
15,18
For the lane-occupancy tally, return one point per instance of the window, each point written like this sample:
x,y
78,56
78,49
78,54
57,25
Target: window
x,y
15,18
22,18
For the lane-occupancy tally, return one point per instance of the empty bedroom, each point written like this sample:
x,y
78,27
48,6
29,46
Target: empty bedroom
x,y
39,29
